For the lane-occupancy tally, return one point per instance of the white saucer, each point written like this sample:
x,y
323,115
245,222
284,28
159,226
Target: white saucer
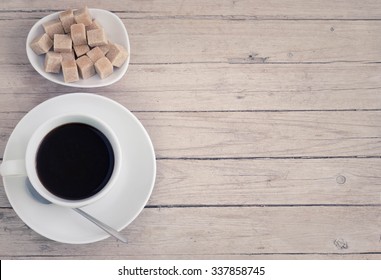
x,y
120,206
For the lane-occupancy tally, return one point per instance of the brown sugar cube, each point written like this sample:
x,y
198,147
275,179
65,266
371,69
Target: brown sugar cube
x,y
41,44
117,55
103,67
78,34
52,62
86,67
53,27
81,49
62,43
94,25
83,16
96,37
67,55
105,48
70,71
95,54
67,19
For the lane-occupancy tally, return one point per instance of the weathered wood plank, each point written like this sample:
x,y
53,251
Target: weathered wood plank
x,y
248,134
194,41
264,182
261,182
243,9
216,231
200,87
273,134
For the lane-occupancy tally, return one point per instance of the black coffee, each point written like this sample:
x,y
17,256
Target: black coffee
x,y
75,161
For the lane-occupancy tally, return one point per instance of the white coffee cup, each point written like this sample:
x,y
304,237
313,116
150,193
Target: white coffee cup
x,y
27,166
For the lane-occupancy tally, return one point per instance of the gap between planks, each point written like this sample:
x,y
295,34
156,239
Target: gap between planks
x,y
258,205
236,62
232,206
264,158
136,15
229,111
205,256
229,8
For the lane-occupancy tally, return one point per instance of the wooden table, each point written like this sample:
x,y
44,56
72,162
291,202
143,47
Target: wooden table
x,y
265,117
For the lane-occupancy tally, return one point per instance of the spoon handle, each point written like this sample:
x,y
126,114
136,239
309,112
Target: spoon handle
x,y
103,226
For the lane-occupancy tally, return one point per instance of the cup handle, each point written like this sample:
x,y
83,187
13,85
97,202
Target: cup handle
x,y
15,167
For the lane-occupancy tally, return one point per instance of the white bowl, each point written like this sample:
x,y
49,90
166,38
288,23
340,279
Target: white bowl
x,y
115,31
